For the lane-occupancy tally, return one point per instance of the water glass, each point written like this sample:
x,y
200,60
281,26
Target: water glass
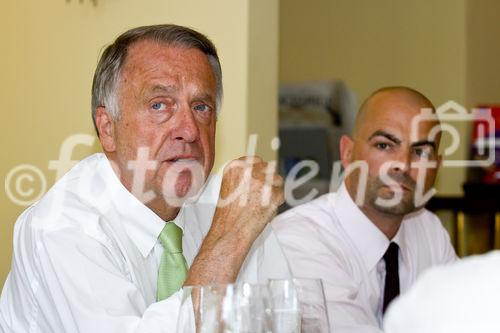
x,y
235,308
298,305
284,307
314,313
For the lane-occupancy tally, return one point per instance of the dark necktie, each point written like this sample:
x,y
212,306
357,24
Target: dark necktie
x,y
391,289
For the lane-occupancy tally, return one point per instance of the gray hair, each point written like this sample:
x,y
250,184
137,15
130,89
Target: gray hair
x,y
107,74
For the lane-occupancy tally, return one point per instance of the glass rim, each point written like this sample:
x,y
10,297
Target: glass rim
x,y
223,285
298,278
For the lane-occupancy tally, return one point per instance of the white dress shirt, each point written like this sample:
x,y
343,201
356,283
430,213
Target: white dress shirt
x,y
330,238
463,297
86,257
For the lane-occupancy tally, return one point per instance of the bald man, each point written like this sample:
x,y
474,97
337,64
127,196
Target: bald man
x,y
371,239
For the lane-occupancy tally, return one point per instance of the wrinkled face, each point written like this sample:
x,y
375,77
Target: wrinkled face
x,y
164,141
401,167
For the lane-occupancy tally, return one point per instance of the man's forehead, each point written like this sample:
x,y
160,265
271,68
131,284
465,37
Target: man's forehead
x,y
156,60
402,137
150,52
410,128
144,52
390,109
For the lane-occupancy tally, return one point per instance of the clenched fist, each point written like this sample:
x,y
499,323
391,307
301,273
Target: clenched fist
x,y
250,194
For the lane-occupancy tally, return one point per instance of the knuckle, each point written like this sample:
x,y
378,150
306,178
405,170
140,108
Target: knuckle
x,y
278,180
258,158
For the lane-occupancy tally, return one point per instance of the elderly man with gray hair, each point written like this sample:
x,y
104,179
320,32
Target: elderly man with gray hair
x,y
108,248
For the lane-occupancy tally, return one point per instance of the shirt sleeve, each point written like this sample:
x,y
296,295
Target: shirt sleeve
x,y
309,256
459,298
64,281
265,260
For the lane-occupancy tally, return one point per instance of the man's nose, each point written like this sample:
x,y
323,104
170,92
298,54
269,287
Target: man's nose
x,y
403,162
185,125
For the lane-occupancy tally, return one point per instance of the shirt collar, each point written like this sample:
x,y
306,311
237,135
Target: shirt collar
x,y
367,238
141,224
400,240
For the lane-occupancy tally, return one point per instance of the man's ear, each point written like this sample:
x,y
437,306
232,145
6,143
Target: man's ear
x,y
105,128
346,146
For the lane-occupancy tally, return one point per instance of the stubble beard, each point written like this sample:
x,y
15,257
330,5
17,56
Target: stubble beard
x,y
375,189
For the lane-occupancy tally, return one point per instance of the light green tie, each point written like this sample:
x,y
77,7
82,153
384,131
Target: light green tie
x,y
173,267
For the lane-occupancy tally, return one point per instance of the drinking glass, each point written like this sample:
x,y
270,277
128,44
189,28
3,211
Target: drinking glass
x,y
201,309
235,308
284,308
314,314
298,305
248,311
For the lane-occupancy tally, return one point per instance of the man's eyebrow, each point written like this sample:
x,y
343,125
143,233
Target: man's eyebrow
x,y
204,96
424,143
386,135
159,88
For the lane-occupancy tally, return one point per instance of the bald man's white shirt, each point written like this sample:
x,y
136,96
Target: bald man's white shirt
x,y
330,238
463,297
86,257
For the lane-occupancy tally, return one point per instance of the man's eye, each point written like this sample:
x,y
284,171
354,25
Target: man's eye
x,y
423,152
382,146
202,108
159,106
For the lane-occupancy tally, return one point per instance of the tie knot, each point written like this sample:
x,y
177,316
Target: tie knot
x,y
171,238
392,252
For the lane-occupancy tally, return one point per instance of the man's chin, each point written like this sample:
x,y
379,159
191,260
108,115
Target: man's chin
x,y
400,209
403,207
184,188
181,180
176,199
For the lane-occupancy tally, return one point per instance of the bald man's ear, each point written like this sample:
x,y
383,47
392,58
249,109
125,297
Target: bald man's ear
x,y
346,147
105,127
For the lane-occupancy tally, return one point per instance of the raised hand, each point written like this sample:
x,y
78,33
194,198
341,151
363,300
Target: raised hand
x,y
250,194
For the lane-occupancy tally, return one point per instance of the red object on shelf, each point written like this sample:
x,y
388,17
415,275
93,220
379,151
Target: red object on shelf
x,y
495,114
481,132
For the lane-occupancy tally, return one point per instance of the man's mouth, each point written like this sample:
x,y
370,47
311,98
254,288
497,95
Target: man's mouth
x,y
399,188
405,188
182,159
